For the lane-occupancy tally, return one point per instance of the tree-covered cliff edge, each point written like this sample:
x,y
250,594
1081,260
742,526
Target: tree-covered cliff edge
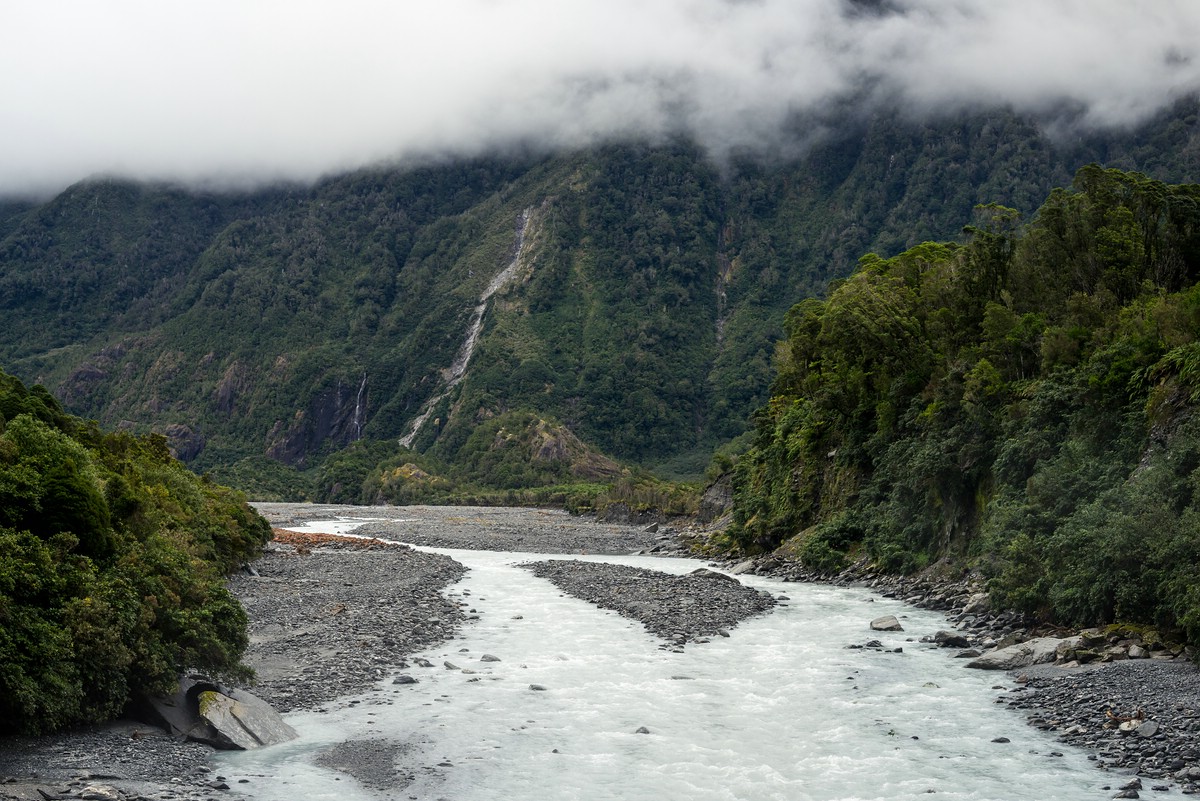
x,y
1024,402
112,557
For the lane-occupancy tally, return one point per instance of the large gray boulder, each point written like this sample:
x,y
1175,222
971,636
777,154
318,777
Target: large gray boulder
x,y
886,623
242,720
203,711
1037,651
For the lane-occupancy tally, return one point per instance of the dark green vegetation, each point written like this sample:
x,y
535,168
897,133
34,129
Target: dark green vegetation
x,y
264,333
1026,401
111,563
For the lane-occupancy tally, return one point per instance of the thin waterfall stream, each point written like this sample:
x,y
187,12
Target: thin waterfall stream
x,y
454,374
781,709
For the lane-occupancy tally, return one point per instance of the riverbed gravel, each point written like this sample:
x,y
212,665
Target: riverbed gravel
x,y
693,607
329,620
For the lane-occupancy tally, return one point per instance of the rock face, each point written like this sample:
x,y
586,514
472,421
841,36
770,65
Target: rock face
x,y
1031,652
242,721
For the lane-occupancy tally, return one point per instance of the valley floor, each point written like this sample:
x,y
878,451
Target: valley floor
x,y
330,618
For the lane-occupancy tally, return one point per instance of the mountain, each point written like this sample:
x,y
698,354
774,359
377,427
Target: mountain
x,y
639,289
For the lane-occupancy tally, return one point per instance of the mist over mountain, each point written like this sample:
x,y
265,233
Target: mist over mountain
x,y
647,287
230,94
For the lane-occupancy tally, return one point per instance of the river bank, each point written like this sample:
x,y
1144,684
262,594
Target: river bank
x,y
330,618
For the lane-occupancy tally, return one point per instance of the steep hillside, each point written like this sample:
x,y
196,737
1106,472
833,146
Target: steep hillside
x,y
645,292
1025,401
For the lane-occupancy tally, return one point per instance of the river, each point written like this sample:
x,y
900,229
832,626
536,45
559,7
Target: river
x,y
782,709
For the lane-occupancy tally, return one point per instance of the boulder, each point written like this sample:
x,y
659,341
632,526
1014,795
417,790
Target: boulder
x,y
242,721
742,567
886,623
978,604
246,721
704,572
951,639
1031,652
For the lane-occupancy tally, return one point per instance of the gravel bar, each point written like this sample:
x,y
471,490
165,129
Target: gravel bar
x,y
679,609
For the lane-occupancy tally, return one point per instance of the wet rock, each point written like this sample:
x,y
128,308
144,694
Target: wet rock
x,y
404,678
951,639
1031,652
241,720
886,623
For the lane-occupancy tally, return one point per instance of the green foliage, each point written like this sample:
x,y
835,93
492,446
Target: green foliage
x,y
111,563
291,322
1026,400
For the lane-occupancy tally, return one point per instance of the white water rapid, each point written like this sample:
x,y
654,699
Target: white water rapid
x,y
781,710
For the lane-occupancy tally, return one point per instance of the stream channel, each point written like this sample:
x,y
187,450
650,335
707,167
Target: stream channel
x,y
782,709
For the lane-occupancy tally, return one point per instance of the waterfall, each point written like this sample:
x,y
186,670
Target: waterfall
x,y
454,374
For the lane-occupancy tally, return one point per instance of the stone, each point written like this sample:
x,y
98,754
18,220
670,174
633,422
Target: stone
x,y
642,730
1138,652
886,623
242,720
489,658
978,604
98,792
404,678
536,687
951,639
742,567
1037,651
704,572
1147,729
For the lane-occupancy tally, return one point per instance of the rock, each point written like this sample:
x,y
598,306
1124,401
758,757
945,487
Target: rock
x,y
970,653
978,604
489,658
1030,652
1001,740
97,792
742,567
951,639
536,687
886,623
1138,652
1133,784
450,665
704,572
242,720
1147,729
404,678
642,730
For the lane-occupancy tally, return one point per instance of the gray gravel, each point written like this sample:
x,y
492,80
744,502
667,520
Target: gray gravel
x,y
680,609
334,622
1085,705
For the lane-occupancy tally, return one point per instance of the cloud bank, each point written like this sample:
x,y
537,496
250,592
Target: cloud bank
x,y
253,90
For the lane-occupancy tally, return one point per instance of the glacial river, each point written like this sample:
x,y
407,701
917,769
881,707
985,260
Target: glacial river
x,y
780,711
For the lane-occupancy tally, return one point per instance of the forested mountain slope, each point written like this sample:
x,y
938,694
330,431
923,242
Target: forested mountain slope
x,y
1026,401
647,295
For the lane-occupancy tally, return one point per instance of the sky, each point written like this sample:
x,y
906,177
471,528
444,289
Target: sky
x,y
237,92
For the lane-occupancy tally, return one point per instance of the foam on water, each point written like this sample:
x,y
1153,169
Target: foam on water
x,y
781,710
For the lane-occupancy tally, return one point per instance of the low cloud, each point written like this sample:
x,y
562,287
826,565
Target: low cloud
x,y
234,91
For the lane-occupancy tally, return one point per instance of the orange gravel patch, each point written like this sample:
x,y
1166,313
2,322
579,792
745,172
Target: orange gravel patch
x,y
308,539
